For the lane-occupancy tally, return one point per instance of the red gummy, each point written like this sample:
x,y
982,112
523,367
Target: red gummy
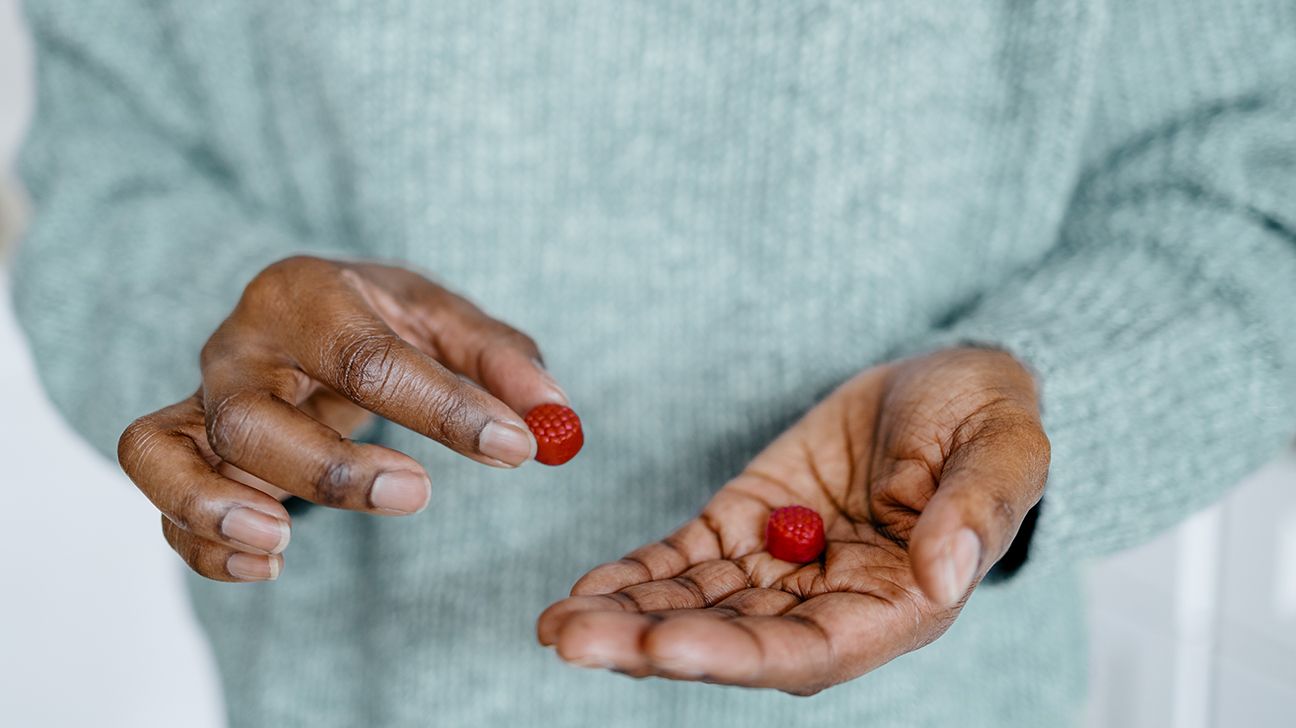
x,y
795,534
557,431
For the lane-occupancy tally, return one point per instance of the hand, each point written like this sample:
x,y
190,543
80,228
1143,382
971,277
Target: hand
x,y
313,347
922,471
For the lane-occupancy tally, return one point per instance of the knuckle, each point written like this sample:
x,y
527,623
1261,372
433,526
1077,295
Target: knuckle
x,y
229,424
184,547
193,552
293,262
276,279
1001,510
937,623
211,351
286,268
218,346
333,484
450,412
366,366
1043,445
136,441
1039,447
1022,441
190,505
266,286
169,532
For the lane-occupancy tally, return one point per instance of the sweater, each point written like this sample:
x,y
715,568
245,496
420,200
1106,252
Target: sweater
x,y
708,214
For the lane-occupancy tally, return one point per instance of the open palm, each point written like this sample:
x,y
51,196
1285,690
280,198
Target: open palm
x,y
922,471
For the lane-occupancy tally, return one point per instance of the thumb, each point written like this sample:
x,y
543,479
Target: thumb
x,y
989,482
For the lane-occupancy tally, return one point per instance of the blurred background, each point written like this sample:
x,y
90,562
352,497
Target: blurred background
x,y
1195,629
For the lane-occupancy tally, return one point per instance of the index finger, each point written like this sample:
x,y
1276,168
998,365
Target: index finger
x,y
459,335
349,348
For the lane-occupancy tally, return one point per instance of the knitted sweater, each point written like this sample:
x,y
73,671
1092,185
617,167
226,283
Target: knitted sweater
x,y
708,214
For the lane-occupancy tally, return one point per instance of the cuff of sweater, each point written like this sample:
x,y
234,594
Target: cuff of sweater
x,y
1154,395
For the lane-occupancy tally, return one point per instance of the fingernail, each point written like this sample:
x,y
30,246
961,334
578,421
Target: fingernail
x,y
253,528
507,443
556,393
401,492
251,567
962,555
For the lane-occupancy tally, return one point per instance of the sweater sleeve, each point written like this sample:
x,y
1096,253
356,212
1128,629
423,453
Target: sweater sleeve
x,y
141,240
1160,327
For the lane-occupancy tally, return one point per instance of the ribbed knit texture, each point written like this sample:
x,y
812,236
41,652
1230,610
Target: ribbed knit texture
x,y
708,214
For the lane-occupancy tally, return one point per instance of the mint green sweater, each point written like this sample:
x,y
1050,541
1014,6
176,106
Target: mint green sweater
x,y
708,214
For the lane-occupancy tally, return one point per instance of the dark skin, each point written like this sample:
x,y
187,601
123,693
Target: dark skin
x,y
312,350
922,469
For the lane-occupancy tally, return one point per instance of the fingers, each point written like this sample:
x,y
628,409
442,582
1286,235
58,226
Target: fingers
x,y
220,562
788,652
161,458
740,601
615,634
378,370
262,434
990,480
223,529
730,527
755,638
701,586
320,318
693,543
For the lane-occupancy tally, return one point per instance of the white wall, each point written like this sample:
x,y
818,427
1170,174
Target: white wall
x,y
1196,629
94,627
